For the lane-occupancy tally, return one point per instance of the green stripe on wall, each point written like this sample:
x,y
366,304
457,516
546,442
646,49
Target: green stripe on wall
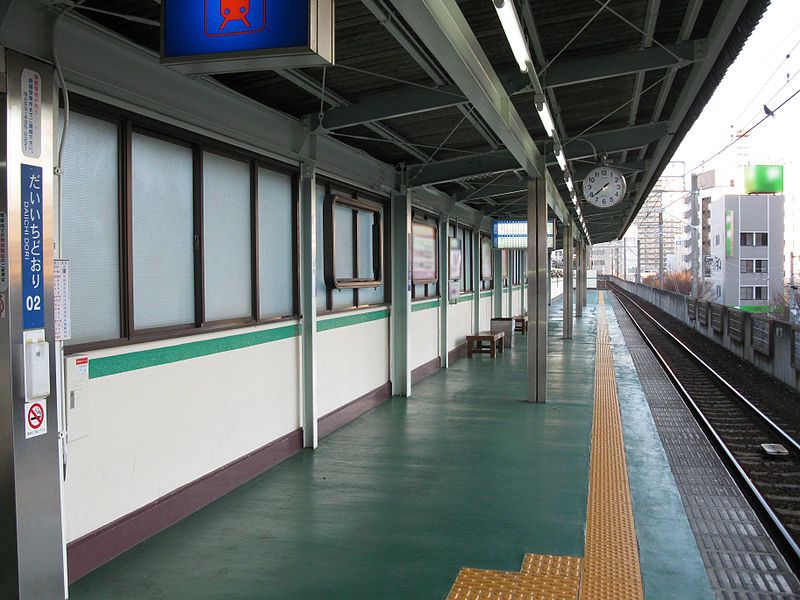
x,y
349,320
418,306
133,361
486,294
466,298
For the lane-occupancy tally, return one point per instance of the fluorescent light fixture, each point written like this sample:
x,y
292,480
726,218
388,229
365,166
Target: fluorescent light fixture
x,y
513,30
568,181
562,161
547,119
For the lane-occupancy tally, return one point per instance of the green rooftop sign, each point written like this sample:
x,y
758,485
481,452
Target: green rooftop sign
x,y
763,179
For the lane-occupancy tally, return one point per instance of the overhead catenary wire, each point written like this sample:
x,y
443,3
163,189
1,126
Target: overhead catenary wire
x,y
735,141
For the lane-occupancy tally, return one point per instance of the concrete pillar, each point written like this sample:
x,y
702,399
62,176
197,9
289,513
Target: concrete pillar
x,y
567,297
401,293
585,297
308,291
538,290
444,280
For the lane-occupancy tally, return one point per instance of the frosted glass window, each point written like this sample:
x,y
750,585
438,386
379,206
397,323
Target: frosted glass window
x,y
344,242
343,298
227,238
91,227
366,266
276,227
371,295
322,297
163,233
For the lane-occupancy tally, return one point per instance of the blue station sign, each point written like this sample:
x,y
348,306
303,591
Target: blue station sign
x,y
223,36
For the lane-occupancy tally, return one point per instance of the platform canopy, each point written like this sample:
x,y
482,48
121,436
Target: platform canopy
x,y
432,86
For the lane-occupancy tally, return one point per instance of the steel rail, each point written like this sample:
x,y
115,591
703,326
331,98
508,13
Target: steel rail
x,y
781,536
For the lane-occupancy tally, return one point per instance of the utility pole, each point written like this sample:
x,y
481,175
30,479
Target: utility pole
x,y
638,261
625,259
696,242
661,248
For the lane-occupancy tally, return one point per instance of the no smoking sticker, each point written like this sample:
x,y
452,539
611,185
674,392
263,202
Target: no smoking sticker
x,y
35,419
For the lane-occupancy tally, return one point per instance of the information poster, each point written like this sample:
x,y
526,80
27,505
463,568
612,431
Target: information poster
x,y
456,259
486,258
423,253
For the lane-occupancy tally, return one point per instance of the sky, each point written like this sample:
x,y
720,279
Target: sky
x,y
762,74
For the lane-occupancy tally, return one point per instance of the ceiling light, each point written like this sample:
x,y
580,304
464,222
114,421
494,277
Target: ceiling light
x,y
547,119
568,180
513,30
560,158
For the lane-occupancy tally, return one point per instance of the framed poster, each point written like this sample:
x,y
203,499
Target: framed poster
x,y
423,253
456,259
486,258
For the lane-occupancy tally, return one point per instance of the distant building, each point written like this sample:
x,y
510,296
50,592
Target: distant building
x,y
745,261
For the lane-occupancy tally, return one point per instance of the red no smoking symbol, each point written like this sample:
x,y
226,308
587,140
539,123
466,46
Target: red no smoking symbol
x,y
35,416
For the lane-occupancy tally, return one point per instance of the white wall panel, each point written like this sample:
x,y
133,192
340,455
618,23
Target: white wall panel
x,y
153,430
487,313
424,336
459,324
351,361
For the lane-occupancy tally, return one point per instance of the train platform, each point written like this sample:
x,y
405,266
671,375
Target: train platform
x,y
463,490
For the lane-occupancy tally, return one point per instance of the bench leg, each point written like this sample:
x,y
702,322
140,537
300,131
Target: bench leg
x,y
502,345
469,349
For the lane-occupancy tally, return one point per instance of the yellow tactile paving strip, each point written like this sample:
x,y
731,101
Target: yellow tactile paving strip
x,y
546,564
610,567
479,584
611,556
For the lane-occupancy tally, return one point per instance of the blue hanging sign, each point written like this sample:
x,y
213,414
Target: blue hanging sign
x,y
222,36
32,186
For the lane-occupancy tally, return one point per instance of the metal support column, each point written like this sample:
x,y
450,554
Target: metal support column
x,y
476,280
31,536
579,279
523,304
585,297
308,290
510,299
549,269
401,293
538,290
444,280
567,296
497,282
661,248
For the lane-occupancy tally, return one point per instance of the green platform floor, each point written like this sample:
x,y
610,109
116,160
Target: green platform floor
x,y
463,473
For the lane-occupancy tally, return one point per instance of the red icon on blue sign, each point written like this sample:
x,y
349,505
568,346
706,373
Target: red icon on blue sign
x,y
235,17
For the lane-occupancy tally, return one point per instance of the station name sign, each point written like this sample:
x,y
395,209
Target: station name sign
x,y
228,36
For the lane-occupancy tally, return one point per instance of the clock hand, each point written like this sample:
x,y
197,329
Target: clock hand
x,y
603,189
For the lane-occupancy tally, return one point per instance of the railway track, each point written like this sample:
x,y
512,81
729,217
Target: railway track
x,y
736,427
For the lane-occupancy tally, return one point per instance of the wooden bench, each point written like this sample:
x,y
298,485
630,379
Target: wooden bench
x,y
475,343
521,324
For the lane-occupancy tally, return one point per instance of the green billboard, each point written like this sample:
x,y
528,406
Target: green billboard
x,y
763,179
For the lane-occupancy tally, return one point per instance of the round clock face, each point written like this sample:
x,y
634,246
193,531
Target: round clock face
x,y
604,187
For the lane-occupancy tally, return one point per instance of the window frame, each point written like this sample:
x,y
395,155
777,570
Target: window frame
x,y
332,201
129,123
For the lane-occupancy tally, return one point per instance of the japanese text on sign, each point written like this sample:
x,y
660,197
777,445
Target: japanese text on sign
x,y
3,253
31,114
32,248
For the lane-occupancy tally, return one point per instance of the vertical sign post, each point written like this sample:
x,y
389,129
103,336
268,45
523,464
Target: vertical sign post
x,y
31,537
